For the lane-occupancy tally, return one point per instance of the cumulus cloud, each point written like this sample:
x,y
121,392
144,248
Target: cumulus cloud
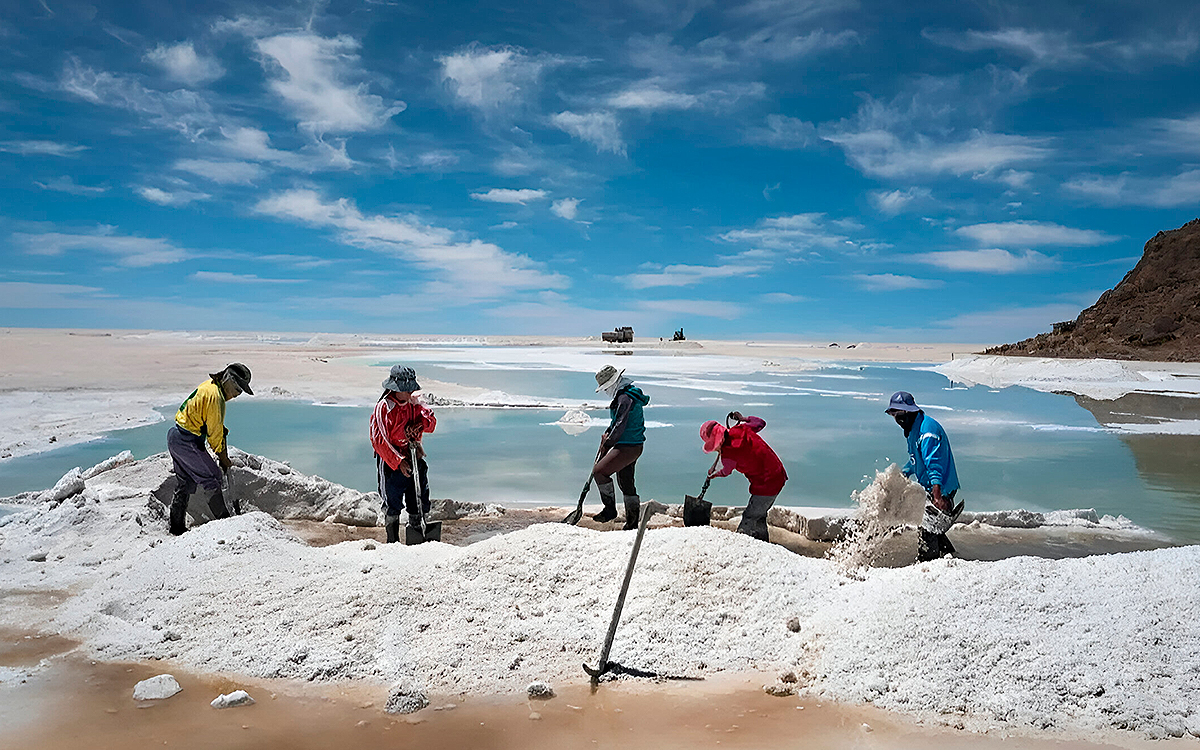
x,y
170,197
797,232
181,63
41,148
989,260
313,74
1182,189
67,184
783,132
493,79
566,208
1032,234
129,251
890,282
461,269
687,275
506,195
597,128
651,97
222,172
895,202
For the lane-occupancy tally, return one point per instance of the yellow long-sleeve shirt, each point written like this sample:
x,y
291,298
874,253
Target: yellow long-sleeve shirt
x,y
203,414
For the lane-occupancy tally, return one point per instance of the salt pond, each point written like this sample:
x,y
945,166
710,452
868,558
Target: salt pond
x,y
1015,448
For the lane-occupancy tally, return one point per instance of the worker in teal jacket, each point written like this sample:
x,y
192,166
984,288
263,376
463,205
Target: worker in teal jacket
x,y
620,445
931,464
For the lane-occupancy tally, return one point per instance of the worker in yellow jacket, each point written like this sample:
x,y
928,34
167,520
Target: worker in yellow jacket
x,y
201,417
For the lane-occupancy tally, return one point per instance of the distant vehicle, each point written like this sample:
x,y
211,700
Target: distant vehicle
x,y
622,335
679,336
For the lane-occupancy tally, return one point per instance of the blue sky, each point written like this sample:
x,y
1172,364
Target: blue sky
x,y
957,171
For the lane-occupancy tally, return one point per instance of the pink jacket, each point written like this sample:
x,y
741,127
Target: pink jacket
x,y
388,423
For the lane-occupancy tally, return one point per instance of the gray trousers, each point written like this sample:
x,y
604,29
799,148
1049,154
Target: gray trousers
x,y
754,518
193,466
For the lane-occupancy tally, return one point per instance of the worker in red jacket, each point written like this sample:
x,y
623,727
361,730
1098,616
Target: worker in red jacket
x,y
397,424
741,448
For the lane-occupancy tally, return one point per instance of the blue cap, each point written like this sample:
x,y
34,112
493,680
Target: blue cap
x,y
902,401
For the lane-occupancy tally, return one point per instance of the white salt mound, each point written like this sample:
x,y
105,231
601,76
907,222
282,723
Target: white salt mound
x,y
1089,644
156,688
232,700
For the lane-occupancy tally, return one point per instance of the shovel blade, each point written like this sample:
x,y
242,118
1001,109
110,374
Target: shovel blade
x,y
696,512
574,516
433,533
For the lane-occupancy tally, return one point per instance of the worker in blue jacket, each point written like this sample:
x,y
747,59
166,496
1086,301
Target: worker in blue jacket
x,y
931,464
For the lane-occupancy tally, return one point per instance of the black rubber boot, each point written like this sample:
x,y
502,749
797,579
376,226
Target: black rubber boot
x,y
929,545
392,525
608,496
179,514
633,509
754,518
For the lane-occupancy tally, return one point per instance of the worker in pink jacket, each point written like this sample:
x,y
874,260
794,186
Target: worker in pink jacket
x,y
397,424
741,448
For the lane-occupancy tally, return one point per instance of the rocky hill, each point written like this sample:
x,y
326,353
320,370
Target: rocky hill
x,y
1153,314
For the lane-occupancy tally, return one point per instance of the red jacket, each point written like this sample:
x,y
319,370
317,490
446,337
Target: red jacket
x,y
388,421
748,453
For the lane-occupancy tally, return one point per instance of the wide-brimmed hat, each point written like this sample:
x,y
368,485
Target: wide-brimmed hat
x,y
241,375
402,379
902,401
607,376
713,434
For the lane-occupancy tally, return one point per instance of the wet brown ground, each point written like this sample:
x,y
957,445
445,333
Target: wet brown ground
x,y
75,703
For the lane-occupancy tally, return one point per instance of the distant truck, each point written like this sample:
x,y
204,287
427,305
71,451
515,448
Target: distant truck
x,y
622,335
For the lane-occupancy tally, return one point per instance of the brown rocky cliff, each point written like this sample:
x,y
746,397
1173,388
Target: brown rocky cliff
x,y
1153,314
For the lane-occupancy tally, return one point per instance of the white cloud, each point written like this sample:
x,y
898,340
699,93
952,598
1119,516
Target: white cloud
x,y
782,298
506,195
181,63
894,202
224,277
1182,189
311,76
462,270
183,111
1033,233
505,225
41,148
883,154
566,208
1058,49
687,275
597,128
132,252
784,132
890,282
989,260
1015,179
796,232
170,198
491,79
651,97
67,184
222,172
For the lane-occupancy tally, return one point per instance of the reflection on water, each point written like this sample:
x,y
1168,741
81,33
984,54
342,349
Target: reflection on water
x,y
1014,448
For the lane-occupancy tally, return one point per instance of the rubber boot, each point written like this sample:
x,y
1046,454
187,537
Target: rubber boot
x,y
392,526
929,546
633,510
608,496
179,505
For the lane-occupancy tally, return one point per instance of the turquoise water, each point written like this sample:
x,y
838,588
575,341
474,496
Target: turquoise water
x,y
1014,448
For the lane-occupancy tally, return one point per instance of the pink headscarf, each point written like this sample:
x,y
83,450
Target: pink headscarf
x,y
713,434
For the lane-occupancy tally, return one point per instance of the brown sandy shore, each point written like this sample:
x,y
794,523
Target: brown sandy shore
x,y
80,703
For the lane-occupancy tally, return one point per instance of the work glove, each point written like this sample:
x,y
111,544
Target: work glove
x,y
414,430
935,520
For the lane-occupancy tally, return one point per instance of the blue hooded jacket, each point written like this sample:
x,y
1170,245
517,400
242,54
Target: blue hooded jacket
x,y
930,461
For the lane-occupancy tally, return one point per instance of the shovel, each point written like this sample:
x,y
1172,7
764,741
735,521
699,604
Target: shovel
x,y
574,516
648,510
427,532
232,504
696,510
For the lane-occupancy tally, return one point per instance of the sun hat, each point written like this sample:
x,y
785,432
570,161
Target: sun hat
x,y
902,401
713,434
240,375
607,376
402,379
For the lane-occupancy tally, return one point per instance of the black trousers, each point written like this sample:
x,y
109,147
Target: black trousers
x,y
400,492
